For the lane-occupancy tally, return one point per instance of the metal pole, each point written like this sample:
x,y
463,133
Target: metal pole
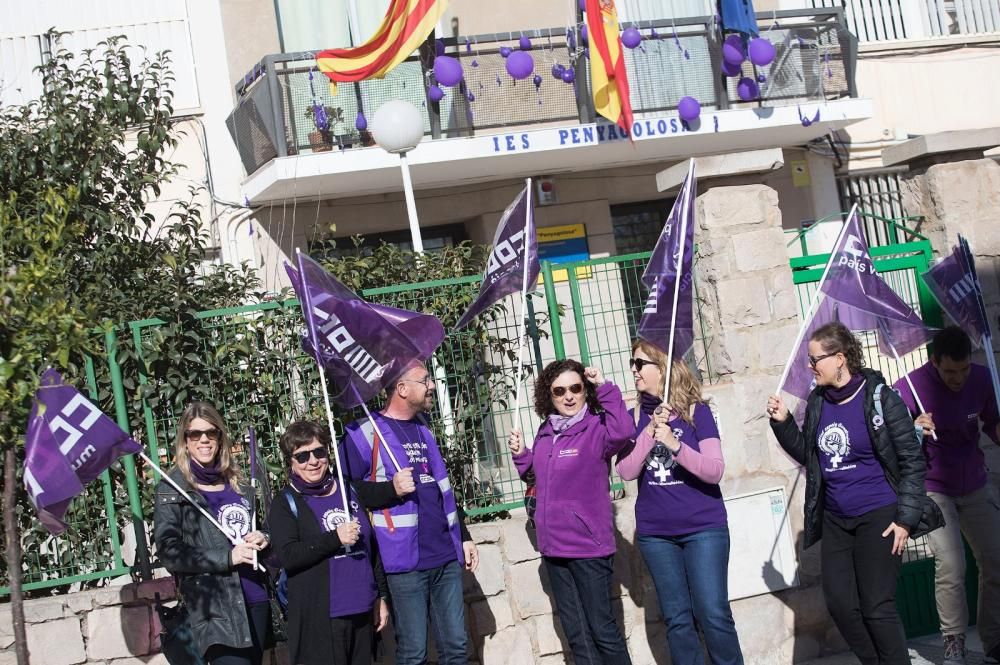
x,y
411,205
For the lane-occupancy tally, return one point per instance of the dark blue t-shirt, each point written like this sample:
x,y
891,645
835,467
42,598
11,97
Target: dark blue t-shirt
x,y
855,481
233,513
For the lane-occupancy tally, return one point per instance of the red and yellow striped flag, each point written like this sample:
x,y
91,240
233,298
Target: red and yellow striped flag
x,y
406,25
607,64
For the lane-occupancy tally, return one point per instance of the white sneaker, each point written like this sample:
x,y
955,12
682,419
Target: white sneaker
x,y
954,650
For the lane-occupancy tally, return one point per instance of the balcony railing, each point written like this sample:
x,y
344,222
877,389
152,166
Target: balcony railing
x,y
276,114
887,20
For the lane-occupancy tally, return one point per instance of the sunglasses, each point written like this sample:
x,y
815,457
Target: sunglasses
x,y
814,360
320,453
193,435
638,363
559,391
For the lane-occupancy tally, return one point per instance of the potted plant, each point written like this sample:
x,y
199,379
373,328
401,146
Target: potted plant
x,y
324,119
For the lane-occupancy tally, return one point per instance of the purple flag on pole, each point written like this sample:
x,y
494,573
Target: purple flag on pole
x,y
871,304
505,267
69,443
363,346
663,272
953,283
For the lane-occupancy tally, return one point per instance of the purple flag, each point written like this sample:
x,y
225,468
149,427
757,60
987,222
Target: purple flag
x,y
665,268
505,267
953,283
870,303
68,444
365,347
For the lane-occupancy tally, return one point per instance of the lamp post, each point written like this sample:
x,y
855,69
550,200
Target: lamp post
x,y
398,128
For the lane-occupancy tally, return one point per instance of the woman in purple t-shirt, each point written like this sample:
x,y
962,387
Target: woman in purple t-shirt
x,y
337,593
680,518
225,596
864,490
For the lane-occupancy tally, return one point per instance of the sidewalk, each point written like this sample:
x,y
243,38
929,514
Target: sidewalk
x,y
926,650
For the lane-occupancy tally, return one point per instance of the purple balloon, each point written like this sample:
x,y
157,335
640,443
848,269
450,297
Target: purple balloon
x,y
761,51
568,75
582,4
435,93
505,51
584,34
747,89
631,37
524,43
537,80
732,50
689,109
438,47
557,70
520,65
730,69
361,122
448,70
761,78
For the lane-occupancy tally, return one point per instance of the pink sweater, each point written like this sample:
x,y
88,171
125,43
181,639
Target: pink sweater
x,y
707,465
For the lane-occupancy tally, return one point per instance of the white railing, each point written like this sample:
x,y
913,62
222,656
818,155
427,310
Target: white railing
x,y
886,20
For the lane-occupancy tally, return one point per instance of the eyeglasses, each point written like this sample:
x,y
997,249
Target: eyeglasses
x,y
428,381
814,360
320,453
559,391
638,363
193,435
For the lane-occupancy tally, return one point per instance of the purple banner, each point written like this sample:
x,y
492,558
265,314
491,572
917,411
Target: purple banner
x,y
853,282
665,268
954,285
505,267
364,347
69,442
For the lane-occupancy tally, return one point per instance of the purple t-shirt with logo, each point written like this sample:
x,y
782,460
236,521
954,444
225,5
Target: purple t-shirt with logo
x,y
855,481
433,535
672,501
352,581
233,513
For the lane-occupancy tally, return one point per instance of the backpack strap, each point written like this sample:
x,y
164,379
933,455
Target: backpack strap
x,y
878,419
292,506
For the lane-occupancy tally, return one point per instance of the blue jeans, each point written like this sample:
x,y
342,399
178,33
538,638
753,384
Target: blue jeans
x,y
419,596
690,574
582,589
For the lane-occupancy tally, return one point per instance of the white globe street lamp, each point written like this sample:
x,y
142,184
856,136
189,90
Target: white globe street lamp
x,y
398,128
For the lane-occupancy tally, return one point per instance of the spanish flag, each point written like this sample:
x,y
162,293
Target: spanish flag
x,y
406,25
607,64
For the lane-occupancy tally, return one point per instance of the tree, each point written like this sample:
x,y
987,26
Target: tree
x,y
80,247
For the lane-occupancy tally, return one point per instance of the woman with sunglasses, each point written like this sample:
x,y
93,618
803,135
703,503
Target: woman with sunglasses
x,y
584,425
225,596
337,593
865,490
680,519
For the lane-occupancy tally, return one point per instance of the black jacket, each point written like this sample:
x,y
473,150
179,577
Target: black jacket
x,y
895,446
197,554
303,548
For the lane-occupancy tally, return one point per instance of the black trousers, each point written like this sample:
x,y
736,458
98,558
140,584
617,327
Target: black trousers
x,y
259,616
859,583
352,639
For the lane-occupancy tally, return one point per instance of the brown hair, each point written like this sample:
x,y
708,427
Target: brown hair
x,y
302,433
834,337
227,462
543,387
685,389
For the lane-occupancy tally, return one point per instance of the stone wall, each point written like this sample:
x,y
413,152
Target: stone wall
x,y
750,312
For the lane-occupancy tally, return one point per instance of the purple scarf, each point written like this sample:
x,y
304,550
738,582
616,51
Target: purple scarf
x,y
206,475
561,423
648,403
836,395
321,487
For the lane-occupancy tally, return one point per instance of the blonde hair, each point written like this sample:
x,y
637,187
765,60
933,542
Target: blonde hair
x,y
685,389
227,462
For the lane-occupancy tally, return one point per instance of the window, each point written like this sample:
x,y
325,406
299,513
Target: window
x,y
636,227
876,194
312,25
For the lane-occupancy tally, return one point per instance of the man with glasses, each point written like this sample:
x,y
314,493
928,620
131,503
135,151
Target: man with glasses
x,y
959,399
422,539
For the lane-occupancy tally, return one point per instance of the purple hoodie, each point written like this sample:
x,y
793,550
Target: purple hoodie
x,y
573,516
955,463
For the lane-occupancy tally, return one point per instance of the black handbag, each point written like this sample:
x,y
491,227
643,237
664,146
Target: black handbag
x,y
176,638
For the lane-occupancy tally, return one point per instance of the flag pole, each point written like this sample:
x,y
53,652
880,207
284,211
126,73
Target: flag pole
x,y
253,485
381,438
906,375
813,303
180,490
344,492
528,235
677,281
991,363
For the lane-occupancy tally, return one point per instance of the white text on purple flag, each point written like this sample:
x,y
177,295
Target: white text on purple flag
x,y
857,248
340,339
503,254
